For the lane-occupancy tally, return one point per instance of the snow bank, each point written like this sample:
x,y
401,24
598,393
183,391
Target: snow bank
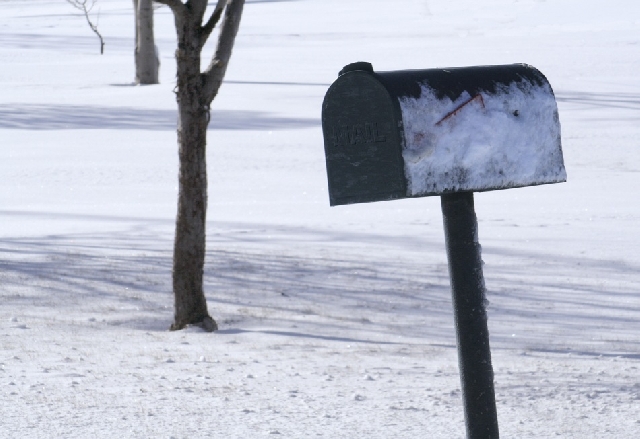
x,y
508,138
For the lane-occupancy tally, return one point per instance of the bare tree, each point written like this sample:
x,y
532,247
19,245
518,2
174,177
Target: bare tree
x,y
195,91
86,9
146,53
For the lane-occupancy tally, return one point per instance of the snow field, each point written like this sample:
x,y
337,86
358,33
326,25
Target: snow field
x,y
335,322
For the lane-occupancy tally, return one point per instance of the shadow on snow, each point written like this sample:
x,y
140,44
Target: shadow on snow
x,y
297,281
67,117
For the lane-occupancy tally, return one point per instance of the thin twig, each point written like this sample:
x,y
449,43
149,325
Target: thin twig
x,y
82,5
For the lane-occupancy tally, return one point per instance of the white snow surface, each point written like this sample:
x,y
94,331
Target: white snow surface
x,y
334,322
503,139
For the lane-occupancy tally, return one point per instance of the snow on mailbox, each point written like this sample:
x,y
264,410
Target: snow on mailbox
x,y
415,133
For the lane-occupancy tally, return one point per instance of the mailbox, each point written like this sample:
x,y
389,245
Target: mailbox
x,y
448,132
414,133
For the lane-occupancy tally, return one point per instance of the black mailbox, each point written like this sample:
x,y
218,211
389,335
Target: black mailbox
x,y
414,133
447,132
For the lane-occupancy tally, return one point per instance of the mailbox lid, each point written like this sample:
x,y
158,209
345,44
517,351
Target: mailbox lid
x,y
477,128
363,140
451,82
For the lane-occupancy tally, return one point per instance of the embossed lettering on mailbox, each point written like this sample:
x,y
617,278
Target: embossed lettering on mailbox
x,y
368,132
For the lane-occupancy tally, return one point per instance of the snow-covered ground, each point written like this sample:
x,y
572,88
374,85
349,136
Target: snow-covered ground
x,y
335,322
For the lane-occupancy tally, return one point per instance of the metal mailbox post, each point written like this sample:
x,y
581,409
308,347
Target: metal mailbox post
x,y
445,132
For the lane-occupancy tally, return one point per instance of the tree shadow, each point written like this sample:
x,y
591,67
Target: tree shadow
x,y
55,42
303,282
286,83
592,100
69,117
298,334
124,279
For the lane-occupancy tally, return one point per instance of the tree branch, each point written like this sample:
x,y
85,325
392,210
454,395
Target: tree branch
x,y
197,8
213,20
82,5
175,5
214,74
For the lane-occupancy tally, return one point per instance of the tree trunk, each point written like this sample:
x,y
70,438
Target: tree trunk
x,y
146,53
195,91
190,239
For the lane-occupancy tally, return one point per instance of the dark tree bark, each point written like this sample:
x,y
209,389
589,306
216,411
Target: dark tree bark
x,y
195,92
146,54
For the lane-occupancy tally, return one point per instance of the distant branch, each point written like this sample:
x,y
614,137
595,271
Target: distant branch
x,y
82,5
213,20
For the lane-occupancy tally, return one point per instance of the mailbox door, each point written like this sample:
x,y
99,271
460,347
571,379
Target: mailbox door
x,y
363,141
